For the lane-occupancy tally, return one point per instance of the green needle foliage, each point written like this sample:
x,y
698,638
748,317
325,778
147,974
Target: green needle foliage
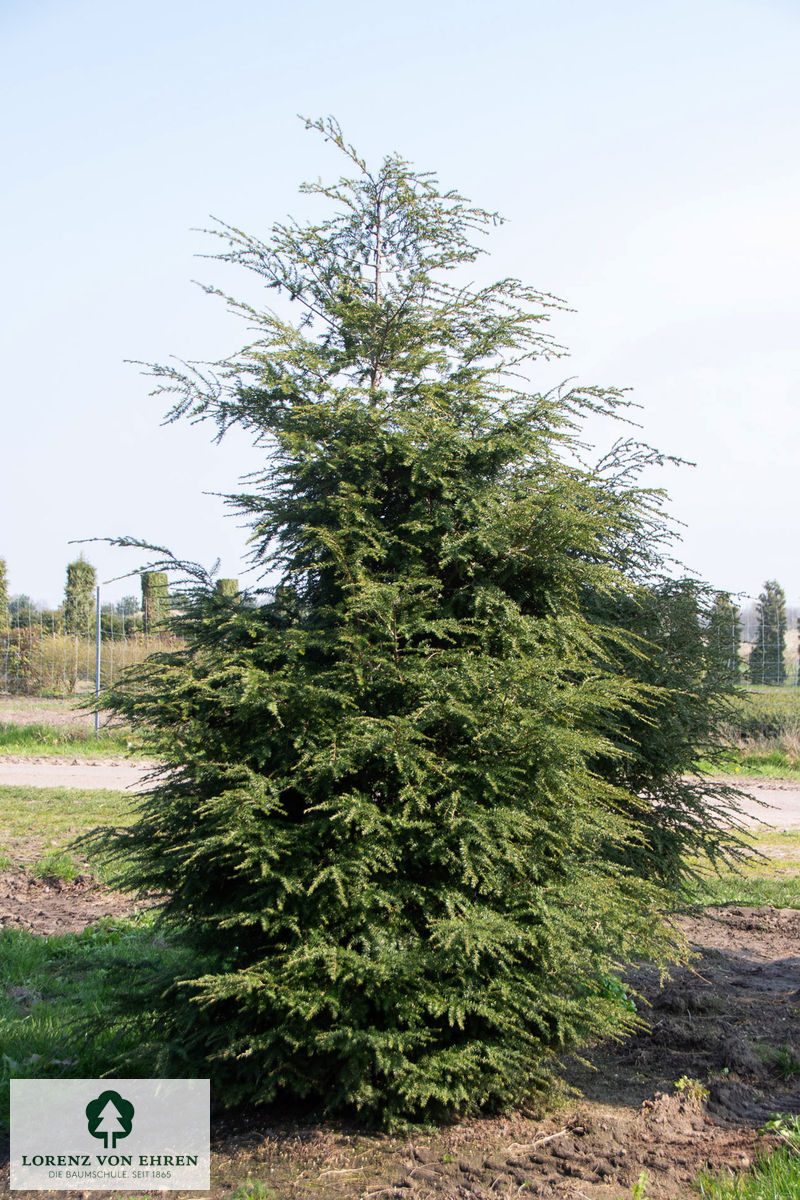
x,y
675,723
383,827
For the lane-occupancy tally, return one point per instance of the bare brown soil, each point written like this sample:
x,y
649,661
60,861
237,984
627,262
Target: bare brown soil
x,y
49,906
728,1022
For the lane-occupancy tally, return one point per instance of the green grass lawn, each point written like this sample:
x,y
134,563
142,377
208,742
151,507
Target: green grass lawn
x,y
757,763
775,1175
749,890
48,985
773,880
763,734
38,825
65,740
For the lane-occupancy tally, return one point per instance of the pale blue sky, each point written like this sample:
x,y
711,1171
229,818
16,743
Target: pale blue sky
x,y
645,155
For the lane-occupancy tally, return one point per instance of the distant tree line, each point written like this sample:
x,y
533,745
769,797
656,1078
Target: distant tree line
x,y
723,626
77,614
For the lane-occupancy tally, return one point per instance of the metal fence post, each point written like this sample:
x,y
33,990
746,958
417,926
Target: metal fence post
x,y
97,665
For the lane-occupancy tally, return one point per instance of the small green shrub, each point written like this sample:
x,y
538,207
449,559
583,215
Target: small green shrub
x,y
693,1089
639,1188
615,989
253,1190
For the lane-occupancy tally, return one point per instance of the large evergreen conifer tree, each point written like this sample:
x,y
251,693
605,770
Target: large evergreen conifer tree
x,y
383,827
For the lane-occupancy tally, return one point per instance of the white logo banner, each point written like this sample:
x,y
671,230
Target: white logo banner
x,y
110,1134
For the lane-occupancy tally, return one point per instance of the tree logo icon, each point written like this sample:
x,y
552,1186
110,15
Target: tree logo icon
x,y
109,1116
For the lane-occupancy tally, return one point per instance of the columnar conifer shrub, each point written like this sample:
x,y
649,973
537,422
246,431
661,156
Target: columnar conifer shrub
x,y
227,587
155,599
766,664
79,596
383,827
725,639
5,620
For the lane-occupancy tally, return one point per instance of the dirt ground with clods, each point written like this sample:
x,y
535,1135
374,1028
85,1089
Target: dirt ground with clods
x,y
726,1025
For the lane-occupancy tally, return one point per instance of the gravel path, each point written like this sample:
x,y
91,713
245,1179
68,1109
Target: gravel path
x,y
782,796
110,774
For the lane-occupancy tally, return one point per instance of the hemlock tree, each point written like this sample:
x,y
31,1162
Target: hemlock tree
x,y
766,663
383,830
79,596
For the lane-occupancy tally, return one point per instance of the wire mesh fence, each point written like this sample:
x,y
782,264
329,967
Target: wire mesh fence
x,y
39,657
768,643
51,654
